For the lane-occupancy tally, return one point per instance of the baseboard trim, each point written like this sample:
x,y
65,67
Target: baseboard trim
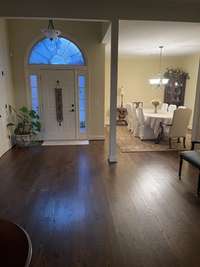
x,y
112,159
96,137
6,151
65,143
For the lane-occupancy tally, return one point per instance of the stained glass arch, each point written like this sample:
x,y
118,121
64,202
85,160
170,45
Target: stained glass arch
x,y
60,51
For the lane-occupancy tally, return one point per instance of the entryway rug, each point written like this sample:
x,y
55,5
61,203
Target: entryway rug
x,y
129,144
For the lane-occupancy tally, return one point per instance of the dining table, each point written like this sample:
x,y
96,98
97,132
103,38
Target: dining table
x,y
154,120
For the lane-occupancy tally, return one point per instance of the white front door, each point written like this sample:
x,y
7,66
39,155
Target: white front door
x,y
52,129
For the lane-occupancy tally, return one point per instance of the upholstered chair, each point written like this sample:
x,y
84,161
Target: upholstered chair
x,y
182,107
172,108
135,121
164,107
179,126
145,131
129,108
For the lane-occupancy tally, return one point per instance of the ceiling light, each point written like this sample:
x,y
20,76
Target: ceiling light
x,y
51,32
159,79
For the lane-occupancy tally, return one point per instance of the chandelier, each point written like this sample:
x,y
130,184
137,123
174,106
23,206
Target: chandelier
x,y
159,79
51,33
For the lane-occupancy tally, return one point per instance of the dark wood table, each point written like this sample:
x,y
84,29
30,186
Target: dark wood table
x,y
15,245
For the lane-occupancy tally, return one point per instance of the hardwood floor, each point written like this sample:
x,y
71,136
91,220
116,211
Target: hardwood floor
x,y
79,211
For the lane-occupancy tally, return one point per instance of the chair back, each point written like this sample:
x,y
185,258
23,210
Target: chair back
x,y
172,108
134,114
140,115
138,104
164,107
181,106
180,122
129,108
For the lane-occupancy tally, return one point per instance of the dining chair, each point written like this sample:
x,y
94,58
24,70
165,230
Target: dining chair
x,y
129,108
145,131
172,108
179,126
193,157
138,104
181,106
164,107
135,121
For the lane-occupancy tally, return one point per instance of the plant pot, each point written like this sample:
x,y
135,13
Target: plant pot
x,y
23,140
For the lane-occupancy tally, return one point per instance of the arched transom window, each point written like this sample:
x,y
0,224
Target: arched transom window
x,y
60,51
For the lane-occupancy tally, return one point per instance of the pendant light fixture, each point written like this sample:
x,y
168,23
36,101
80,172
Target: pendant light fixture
x,y
51,32
159,79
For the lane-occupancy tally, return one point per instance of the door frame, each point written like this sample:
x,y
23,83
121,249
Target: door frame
x,y
78,70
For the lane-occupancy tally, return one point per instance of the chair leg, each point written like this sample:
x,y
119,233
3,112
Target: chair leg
x,y
160,135
180,168
170,142
184,143
198,188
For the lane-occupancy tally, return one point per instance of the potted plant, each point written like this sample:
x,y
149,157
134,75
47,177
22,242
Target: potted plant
x,y
26,127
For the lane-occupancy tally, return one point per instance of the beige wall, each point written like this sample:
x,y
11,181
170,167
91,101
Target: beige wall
x,y
135,71
87,35
6,87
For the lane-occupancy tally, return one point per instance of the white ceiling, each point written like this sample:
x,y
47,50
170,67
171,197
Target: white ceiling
x,y
144,37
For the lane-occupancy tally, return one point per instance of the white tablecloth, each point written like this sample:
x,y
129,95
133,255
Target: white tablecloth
x,y
154,119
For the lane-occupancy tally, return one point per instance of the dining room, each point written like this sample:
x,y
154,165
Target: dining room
x,y
158,66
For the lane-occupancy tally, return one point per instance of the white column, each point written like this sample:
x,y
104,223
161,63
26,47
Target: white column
x,y
196,120
113,89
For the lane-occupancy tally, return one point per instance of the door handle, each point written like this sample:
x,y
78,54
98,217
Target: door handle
x,y
72,110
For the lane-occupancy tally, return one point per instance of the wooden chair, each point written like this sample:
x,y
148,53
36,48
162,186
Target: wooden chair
x,y
193,157
15,245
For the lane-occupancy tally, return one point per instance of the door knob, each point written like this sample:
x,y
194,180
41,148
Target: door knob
x,y
72,110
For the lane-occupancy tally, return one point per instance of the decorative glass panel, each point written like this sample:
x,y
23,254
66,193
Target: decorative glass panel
x,y
58,51
82,103
34,92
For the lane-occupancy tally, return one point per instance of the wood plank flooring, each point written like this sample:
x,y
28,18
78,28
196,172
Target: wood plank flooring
x,y
81,212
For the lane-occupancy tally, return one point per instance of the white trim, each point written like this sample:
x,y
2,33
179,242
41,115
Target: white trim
x,y
113,90
66,143
77,69
112,159
59,67
96,137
